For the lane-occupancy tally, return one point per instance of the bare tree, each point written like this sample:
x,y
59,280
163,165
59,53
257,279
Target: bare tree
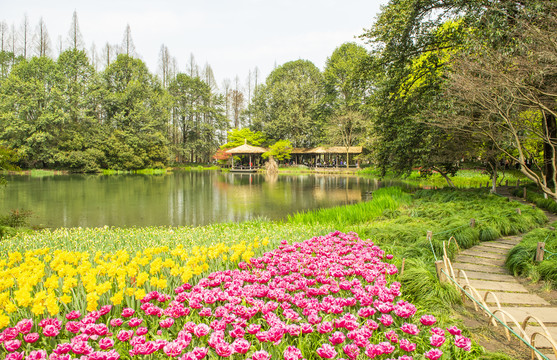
x,y
209,77
60,46
4,36
108,54
25,38
75,39
41,40
191,68
226,89
236,103
13,45
94,56
127,42
164,65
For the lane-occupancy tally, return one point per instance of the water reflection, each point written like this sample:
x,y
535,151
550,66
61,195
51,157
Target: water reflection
x,y
182,198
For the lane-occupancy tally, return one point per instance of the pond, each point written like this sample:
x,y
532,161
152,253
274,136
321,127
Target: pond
x,y
181,198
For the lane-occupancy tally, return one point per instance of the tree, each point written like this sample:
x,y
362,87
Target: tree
x,y
412,42
42,40
237,137
128,46
8,158
281,150
345,87
286,106
136,116
346,129
236,103
164,65
505,91
75,39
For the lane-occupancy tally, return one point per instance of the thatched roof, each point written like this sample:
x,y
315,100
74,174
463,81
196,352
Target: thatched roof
x,y
246,149
342,150
334,150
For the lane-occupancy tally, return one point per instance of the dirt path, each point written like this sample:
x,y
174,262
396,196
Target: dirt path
x,y
484,267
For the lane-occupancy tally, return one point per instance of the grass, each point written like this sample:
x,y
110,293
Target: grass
x,y
466,178
521,258
140,171
533,196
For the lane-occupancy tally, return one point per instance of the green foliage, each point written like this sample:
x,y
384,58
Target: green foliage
x,y
237,137
16,218
533,196
287,105
520,260
280,150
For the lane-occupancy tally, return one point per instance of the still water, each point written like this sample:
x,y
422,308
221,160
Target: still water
x,y
182,198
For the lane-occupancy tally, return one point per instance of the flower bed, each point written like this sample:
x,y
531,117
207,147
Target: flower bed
x,y
327,297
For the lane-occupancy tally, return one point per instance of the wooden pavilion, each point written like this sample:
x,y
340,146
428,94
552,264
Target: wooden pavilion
x,y
246,149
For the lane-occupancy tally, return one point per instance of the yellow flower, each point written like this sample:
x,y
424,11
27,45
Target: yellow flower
x,y
4,320
140,293
52,305
65,299
117,298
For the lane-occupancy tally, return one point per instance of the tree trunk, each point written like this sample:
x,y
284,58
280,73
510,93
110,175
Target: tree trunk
x,y
550,130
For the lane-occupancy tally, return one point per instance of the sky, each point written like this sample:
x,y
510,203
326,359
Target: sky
x,y
232,36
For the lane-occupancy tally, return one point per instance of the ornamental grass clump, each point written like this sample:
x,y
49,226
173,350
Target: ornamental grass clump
x,y
328,297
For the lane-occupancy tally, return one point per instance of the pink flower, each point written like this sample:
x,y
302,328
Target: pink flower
x,y
306,328
201,330
224,349
463,342
112,355
31,338
436,340
12,345
411,329
406,345
10,334
433,354
337,338
73,326
200,352
352,351
124,335
166,323
437,331
325,327
24,326
134,322
63,348
261,355
428,320
326,351
453,330
116,322
386,319
51,330
173,349
141,330
241,346
37,355
292,353
15,356
105,310
106,343
392,336
127,312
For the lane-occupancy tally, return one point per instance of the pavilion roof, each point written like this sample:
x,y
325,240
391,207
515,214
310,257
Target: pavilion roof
x,y
246,149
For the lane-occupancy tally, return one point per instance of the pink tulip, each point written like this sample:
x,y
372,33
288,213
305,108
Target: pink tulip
x,y
31,338
261,355
463,342
106,343
224,349
453,330
428,320
436,340
37,355
127,312
12,345
51,330
24,326
433,354
326,351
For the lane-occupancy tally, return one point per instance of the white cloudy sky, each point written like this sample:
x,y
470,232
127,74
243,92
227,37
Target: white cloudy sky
x,y
233,36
